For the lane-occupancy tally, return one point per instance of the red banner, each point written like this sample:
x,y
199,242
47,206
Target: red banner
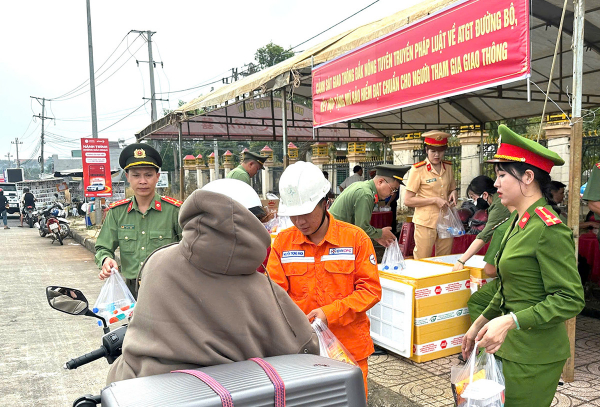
x,y
472,45
95,156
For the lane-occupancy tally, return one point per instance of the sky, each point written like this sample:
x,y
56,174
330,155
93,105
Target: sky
x,y
44,52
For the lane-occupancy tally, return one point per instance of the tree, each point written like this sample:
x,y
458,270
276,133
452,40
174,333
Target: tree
x,y
271,54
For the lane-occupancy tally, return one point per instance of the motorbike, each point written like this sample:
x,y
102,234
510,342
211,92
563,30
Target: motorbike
x,y
31,216
73,302
52,222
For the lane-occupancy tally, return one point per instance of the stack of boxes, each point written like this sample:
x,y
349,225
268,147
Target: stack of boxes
x,y
440,317
475,266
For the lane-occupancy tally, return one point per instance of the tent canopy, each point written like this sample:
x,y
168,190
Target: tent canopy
x,y
490,104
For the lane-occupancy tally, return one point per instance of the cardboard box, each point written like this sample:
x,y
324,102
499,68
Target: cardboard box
x,y
438,330
475,266
437,349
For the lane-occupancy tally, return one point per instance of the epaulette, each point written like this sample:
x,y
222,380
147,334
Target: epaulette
x,y
500,223
548,217
119,203
419,164
172,201
447,162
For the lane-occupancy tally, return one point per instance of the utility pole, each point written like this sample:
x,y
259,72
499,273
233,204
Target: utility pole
x,y
92,78
152,64
43,103
16,143
8,156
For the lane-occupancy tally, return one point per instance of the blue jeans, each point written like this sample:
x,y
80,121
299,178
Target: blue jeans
x,y
5,217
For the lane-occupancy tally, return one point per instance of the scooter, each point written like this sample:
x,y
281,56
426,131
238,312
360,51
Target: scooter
x,y
73,302
52,222
30,216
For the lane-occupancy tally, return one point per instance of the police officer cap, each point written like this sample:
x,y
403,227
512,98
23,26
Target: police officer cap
x,y
392,171
139,155
256,157
515,148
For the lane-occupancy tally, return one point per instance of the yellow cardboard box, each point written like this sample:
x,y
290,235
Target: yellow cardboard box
x,y
439,343
475,266
438,330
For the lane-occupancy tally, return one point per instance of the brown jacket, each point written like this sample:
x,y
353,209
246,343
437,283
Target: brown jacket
x,y
201,301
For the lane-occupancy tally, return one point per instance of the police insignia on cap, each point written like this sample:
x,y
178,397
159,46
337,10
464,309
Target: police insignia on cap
x,y
139,153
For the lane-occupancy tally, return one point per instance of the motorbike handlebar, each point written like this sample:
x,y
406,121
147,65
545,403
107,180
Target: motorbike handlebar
x,y
87,358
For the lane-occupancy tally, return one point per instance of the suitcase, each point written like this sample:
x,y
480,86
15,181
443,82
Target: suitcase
x,y
309,380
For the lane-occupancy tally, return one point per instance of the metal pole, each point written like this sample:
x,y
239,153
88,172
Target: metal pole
x,y
174,166
42,142
181,174
575,159
151,65
92,79
481,149
284,125
216,151
16,143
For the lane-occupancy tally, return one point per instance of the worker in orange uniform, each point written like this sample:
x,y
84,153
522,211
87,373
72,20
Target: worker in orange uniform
x,y
328,267
431,187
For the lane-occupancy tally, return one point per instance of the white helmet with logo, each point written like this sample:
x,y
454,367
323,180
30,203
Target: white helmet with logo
x,y
240,192
301,186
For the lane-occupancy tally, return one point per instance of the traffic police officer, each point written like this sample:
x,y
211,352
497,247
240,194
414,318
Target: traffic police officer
x,y
431,187
355,204
141,224
251,164
540,287
327,267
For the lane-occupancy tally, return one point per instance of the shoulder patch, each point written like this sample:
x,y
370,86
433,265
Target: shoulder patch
x,y
172,201
548,217
119,203
447,162
419,164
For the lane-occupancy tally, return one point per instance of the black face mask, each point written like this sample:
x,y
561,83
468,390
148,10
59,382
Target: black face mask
x,y
482,203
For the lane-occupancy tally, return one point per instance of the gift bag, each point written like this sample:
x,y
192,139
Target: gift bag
x,y
449,224
115,302
479,382
393,261
330,346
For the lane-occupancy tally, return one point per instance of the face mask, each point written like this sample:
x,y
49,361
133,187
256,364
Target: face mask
x,y
482,203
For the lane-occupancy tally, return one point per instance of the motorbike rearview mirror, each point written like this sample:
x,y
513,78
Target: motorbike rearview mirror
x,y
67,300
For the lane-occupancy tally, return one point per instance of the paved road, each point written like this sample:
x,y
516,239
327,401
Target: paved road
x,y
35,340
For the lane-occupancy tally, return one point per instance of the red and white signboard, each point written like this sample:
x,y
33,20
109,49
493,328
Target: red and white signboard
x,y
95,156
472,45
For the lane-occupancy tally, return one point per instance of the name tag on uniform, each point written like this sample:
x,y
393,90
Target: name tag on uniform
x,y
295,256
339,253
431,180
130,227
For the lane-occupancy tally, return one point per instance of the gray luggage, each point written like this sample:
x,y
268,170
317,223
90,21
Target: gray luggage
x,y
309,381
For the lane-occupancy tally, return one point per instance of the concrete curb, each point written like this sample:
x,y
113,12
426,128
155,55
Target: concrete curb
x,y
89,242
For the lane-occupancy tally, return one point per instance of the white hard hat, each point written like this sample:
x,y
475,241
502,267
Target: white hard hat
x,y
240,192
301,186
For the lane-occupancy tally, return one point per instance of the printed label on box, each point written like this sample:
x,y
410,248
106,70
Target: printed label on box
x,y
436,346
430,319
442,289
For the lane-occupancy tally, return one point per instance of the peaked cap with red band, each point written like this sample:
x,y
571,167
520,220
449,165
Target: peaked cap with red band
x,y
436,138
515,148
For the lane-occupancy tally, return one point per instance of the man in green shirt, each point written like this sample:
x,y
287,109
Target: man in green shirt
x,y
355,204
137,225
248,168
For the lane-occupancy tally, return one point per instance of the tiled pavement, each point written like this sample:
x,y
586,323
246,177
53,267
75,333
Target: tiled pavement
x,y
428,384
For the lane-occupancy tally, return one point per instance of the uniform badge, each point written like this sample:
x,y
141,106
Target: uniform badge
x,y
524,220
157,205
431,180
428,167
139,153
372,259
598,165
548,217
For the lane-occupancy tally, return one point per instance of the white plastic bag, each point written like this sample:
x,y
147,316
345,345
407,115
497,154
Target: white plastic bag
x,y
330,346
449,224
115,302
479,382
393,260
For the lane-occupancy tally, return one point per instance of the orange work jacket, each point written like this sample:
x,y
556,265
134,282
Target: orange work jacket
x,y
339,275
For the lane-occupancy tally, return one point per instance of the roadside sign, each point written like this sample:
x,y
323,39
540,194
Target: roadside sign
x,y
95,158
163,180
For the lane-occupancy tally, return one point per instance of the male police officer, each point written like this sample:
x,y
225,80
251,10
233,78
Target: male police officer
x,y
355,204
249,167
141,224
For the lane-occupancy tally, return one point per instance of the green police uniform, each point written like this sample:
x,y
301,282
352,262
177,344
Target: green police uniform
x,y
538,283
137,234
497,213
355,206
592,189
239,173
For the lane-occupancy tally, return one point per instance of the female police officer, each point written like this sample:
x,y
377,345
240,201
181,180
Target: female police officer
x,y
539,283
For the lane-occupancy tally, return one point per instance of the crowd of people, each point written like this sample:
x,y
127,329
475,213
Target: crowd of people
x,y
200,301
